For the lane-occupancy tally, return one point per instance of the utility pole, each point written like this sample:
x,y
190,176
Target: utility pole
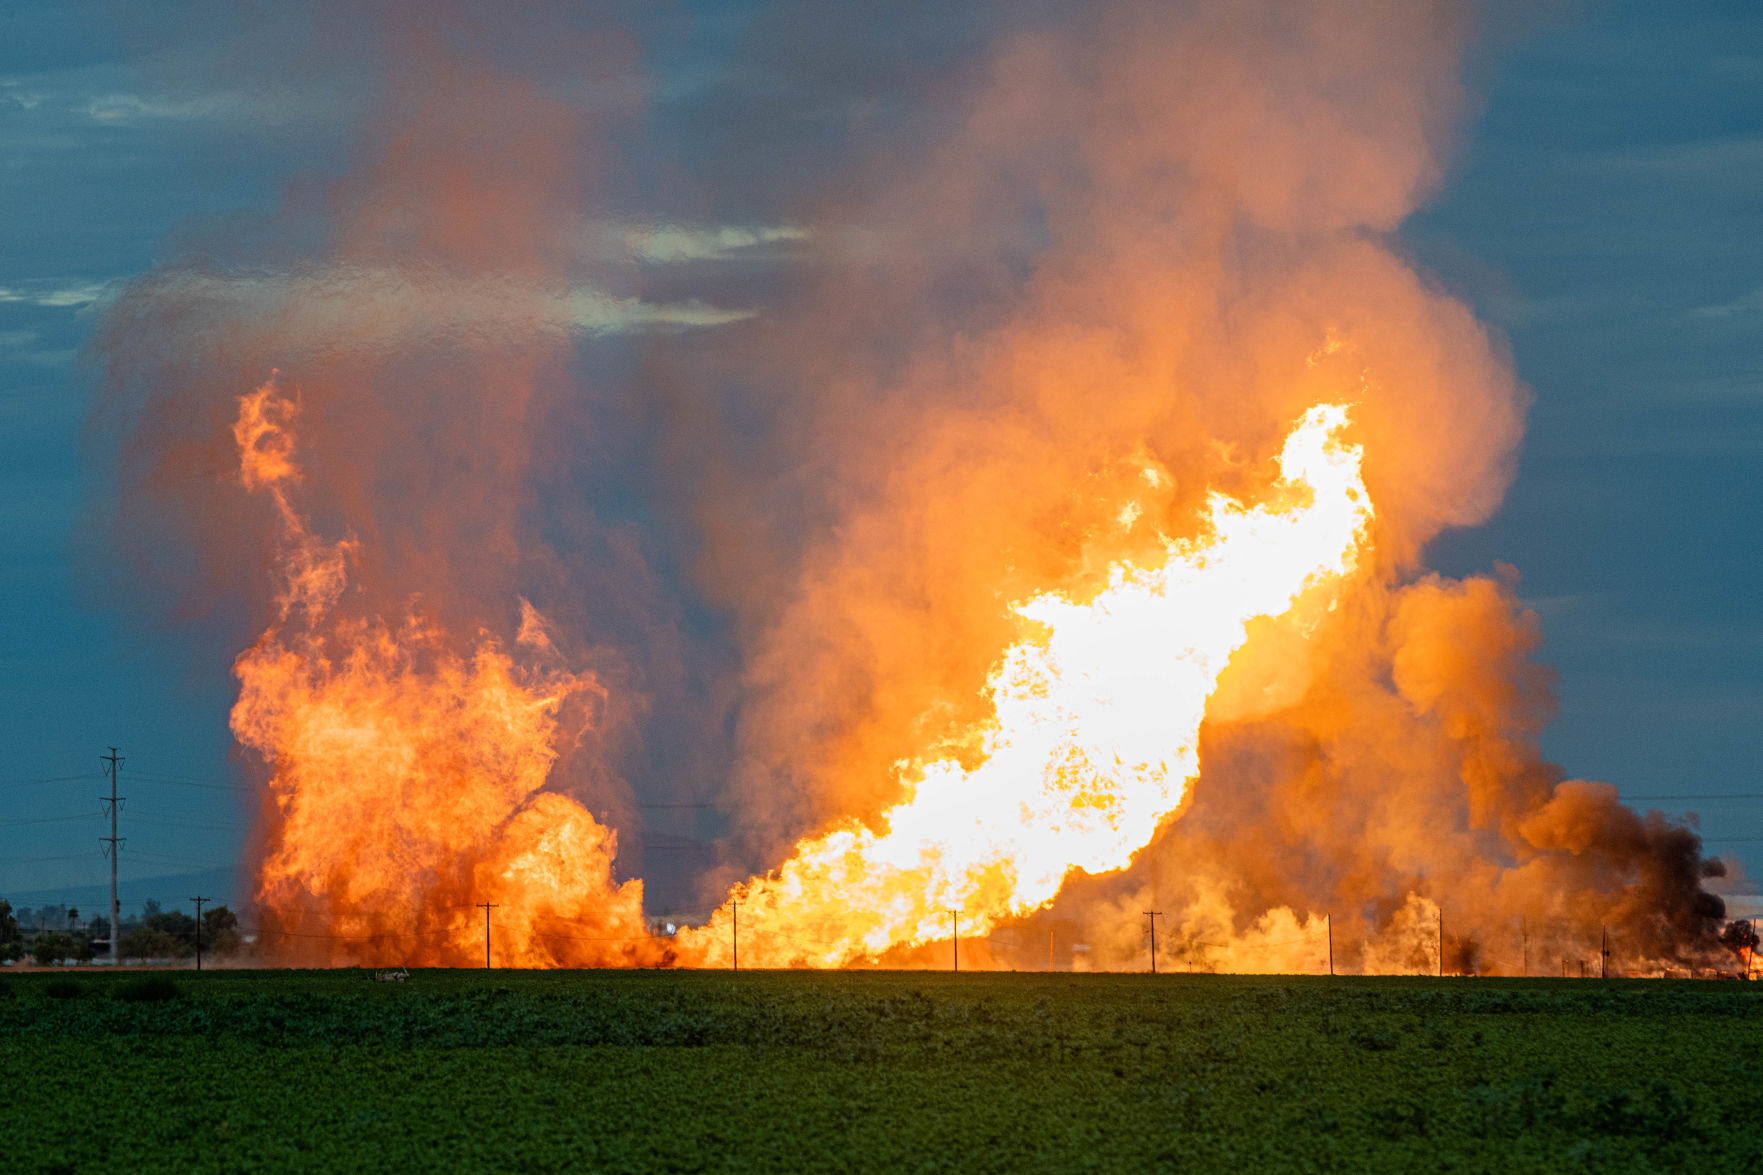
x,y
1049,950
486,907
1441,963
735,910
1330,923
112,846
1524,945
199,902
1152,915
956,941
1604,953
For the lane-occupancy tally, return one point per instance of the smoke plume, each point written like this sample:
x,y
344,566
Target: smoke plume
x,y
738,463
1158,233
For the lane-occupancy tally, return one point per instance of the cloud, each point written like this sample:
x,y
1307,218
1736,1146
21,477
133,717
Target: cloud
x,y
1747,304
598,313
55,294
12,94
124,108
1708,160
90,94
19,346
256,109
673,243
380,306
112,97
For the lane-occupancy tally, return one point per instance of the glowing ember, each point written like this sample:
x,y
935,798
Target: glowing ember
x,y
1093,741
406,778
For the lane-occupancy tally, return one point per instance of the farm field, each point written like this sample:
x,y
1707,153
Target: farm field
x,y
792,1071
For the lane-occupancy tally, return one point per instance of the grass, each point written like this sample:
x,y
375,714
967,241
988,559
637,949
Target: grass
x,y
679,1071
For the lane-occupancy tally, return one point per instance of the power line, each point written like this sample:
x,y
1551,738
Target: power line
x,y
35,860
205,785
44,820
42,780
346,937
181,822
174,773
186,860
593,938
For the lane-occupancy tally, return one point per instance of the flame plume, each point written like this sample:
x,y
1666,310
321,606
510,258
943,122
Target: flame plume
x,y
1094,735
406,780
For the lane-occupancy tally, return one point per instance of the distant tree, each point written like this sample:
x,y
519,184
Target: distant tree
x,y
220,931
51,947
11,937
217,920
136,943
150,908
99,928
147,942
175,924
82,939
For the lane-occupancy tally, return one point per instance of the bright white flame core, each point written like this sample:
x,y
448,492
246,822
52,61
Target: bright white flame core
x,y
1094,738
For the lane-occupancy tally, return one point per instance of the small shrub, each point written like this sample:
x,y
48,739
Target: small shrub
x,y
64,988
149,989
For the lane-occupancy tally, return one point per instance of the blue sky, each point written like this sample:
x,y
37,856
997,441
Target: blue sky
x,y
1602,211
1605,215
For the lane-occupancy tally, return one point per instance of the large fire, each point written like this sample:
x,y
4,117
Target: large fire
x,y
1094,739
867,515
406,779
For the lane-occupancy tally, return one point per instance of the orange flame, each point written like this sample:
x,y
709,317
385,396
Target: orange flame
x,y
1093,739
407,779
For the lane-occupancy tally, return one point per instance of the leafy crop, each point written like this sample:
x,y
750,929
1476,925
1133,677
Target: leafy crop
x,y
143,989
632,1071
63,987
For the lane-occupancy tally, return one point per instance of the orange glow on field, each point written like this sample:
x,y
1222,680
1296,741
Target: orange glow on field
x,y
1093,740
405,777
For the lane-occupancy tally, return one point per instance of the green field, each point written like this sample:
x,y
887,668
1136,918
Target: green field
x,y
681,1071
